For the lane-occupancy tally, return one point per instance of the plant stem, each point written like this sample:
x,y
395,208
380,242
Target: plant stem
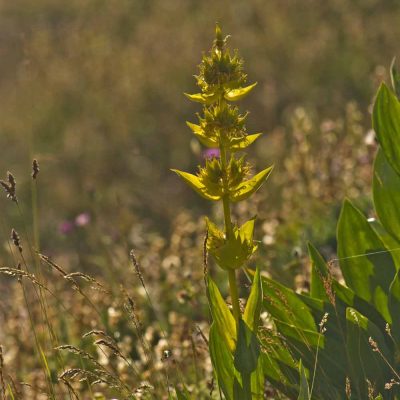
x,y
228,232
234,294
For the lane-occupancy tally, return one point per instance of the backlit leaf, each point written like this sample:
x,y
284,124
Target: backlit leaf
x,y
247,188
252,311
222,318
386,191
194,182
367,267
240,93
304,393
242,143
386,122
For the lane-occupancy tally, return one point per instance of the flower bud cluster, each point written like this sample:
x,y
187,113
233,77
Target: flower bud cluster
x,y
221,125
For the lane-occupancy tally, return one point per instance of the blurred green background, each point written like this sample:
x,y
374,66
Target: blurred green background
x,y
94,90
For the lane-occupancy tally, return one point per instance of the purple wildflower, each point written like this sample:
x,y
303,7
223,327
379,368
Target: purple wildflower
x,y
66,227
211,153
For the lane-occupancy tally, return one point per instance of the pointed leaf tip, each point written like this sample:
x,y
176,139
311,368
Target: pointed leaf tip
x,y
247,188
240,93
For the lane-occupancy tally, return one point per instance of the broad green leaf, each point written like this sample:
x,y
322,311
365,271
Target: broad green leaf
x,y
386,191
320,275
252,386
367,267
350,299
304,392
247,188
242,393
395,77
247,350
386,123
242,143
222,361
281,376
367,364
222,318
310,338
258,381
390,242
240,93
284,305
194,182
252,311
394,307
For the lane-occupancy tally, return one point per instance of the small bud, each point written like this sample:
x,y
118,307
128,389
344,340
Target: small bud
x,y
219,40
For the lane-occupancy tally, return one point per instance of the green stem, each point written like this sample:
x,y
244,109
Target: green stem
x,y
234,294
233,288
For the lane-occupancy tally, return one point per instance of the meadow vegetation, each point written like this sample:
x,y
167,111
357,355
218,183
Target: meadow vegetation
x,y
112,282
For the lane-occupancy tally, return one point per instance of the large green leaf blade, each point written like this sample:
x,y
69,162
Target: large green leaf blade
x,y
222,361
222,318
386,123
394,307
366,363
320,275
252,311
367,267
247,350
386,192
390,242
286,306
304,392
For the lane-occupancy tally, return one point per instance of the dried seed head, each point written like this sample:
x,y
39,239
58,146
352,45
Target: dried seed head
x,y
371,390
19,269
11,180
137,267
390,384
373,344
348,387
10,187
35,169
322,324
16,239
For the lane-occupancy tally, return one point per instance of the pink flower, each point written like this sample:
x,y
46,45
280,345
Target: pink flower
x,y
211,153
82,219
66,227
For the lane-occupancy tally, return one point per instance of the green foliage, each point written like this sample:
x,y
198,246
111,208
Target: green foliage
x,y
386,193
234,345
347,337
304,389
395,76
234,251
386,122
